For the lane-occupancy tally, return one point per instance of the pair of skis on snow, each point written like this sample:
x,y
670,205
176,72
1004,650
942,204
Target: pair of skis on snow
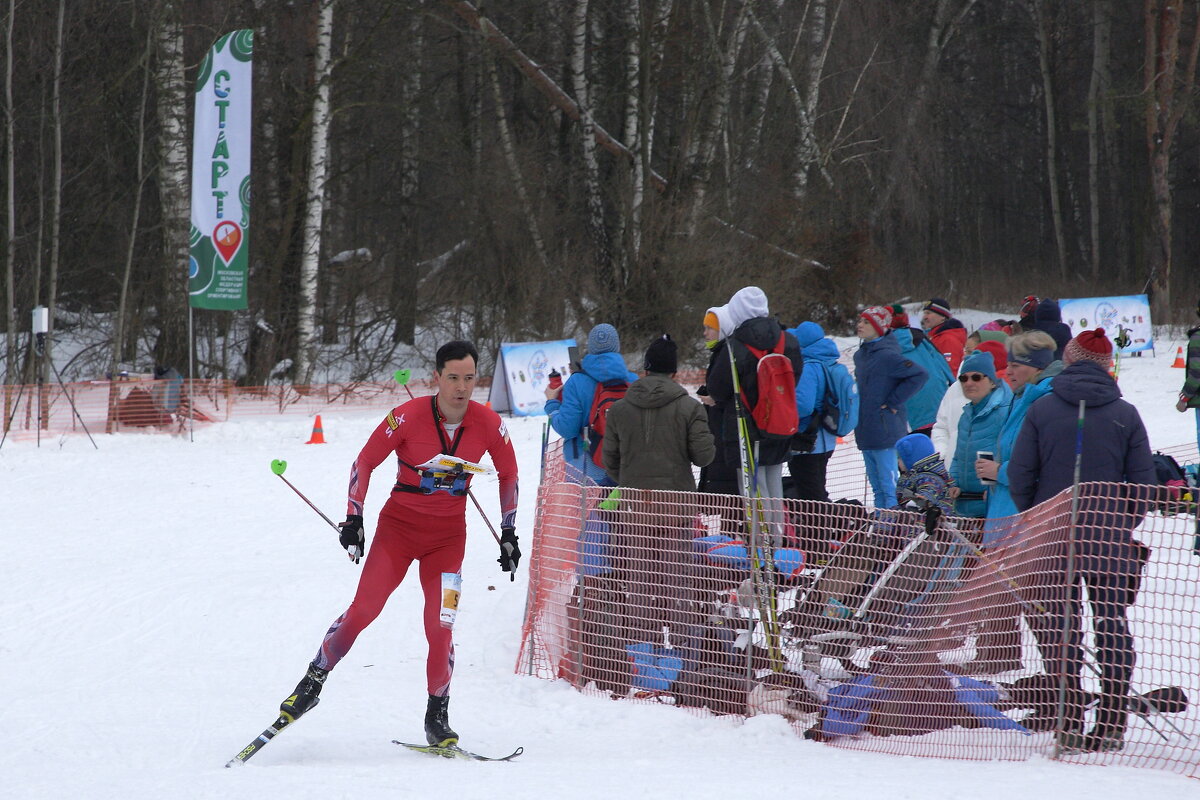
x,y
445,751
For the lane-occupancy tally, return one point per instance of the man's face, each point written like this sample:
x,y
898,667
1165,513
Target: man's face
x,y
710,334
455,382
931,319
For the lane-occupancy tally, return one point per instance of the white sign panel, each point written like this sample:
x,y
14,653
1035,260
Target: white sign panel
x,y
523,372
1131,312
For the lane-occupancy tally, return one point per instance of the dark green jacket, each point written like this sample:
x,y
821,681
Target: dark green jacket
x,y
1191,380
654,435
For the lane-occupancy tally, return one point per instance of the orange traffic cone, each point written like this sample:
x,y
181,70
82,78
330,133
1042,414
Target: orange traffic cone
x,y
1179,358
318,433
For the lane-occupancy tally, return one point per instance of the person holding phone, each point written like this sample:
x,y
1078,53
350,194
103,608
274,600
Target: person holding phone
x,y
1031,371
988,403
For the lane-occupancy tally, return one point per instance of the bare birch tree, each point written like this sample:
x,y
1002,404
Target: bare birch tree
x,y
597,232
318,152
1098,89
174,191
118,336
947,16
1039,12
1165,104
10,217
55,204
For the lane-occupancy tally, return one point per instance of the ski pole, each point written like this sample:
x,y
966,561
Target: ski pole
x,y
278,466
402,376
512,576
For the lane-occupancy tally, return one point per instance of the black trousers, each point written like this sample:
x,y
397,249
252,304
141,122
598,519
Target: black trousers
x,y
808,476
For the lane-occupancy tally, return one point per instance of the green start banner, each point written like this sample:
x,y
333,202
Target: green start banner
x,y
220,232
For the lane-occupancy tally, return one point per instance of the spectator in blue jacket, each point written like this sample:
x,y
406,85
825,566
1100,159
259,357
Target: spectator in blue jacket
x,y
922,407
808,469
988,402
570,405
886,380
1115,452
1031,370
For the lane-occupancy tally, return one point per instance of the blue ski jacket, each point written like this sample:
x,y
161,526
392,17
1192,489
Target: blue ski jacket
x,y
886,379
569,412
922,407
819,352
978,429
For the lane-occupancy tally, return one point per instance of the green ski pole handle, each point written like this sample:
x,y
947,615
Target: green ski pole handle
x,y
402,376
278,466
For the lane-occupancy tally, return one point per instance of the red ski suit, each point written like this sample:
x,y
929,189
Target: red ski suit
x,y
429,528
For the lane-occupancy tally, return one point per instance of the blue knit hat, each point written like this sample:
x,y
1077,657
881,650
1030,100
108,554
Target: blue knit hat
x,y
807,333
913,448
603,339
980,361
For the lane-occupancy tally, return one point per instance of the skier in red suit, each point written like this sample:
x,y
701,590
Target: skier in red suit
x,y
423,520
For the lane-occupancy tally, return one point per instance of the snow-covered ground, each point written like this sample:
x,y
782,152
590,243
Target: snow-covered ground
x,y
160,597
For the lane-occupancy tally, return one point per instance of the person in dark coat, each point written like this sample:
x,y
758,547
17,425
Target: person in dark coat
x,y
1189,395
1112,447
886,379
657,432
1028,309
1048,318
721,475
652,438
749,315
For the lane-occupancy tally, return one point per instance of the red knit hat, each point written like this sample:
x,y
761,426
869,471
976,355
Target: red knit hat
x,y
899,317
1089,346
880,318
999,354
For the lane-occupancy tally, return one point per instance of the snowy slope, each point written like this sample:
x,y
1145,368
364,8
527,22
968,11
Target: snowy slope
x,y
159,598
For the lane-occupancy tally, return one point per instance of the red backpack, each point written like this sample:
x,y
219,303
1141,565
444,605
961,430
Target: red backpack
x,y
775,412
606,394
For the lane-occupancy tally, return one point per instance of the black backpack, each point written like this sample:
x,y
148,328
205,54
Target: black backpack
x,y
1180,495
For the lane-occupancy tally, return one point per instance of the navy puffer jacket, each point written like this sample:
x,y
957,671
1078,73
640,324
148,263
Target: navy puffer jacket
x,y
886,379
1115,448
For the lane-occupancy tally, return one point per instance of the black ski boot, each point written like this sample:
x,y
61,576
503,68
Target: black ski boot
x,y
307,694
437,722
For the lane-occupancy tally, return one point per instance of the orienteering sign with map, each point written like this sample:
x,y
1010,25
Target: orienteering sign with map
x,y
1129,313
219,241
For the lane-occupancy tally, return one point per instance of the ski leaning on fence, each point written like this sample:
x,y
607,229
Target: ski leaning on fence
x,y
762,558
454,751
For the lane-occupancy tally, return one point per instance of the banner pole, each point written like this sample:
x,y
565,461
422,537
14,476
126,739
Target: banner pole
x,y
191,368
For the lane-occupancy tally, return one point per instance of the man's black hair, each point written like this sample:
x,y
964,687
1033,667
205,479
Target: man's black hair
x,y
455,351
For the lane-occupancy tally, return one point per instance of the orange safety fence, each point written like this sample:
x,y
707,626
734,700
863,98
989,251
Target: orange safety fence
x,y
158,405
876,631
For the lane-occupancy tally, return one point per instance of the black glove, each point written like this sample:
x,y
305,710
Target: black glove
x,y
510,552
932,515
353,538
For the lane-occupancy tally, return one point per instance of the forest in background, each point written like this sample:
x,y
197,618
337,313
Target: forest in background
x,y
522,170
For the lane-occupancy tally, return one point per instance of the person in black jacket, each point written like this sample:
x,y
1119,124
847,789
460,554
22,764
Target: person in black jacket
x,y
721,475
1048,318
748,315
1113,447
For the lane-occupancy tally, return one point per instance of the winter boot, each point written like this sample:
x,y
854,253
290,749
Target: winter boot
x,y
307,694
1107,735
437,722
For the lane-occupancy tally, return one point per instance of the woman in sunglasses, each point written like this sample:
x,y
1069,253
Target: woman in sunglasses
x,y
988,402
